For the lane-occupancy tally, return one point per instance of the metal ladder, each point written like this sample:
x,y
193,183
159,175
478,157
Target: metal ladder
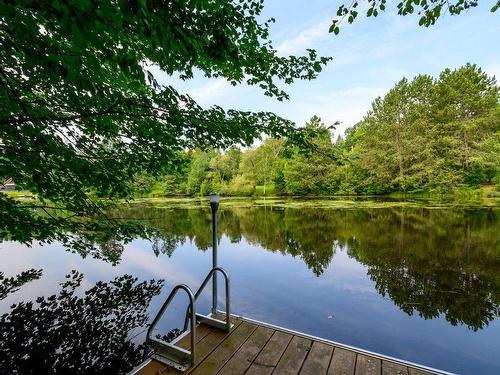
x,y
168,352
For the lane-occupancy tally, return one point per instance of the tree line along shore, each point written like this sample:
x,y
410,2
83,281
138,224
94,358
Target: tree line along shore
x,y
426,135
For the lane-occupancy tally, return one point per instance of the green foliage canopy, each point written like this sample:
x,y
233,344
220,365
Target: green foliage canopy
x,y
312,173
426,134
430,134
428,11
82,111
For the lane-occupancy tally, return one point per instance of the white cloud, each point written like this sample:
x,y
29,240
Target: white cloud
x,y
208,91
347,106
305,39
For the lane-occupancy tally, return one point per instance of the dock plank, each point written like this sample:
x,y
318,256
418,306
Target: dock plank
x,y
293,357
343,362
270,355
257,348
204,347
391,368
202,330
366,365
153,368
242,360
414,371
318,359
214,362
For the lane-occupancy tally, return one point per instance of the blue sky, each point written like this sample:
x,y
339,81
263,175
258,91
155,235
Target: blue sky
x,y
369,57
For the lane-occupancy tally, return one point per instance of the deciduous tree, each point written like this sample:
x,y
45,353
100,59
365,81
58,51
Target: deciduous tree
x,y
82,110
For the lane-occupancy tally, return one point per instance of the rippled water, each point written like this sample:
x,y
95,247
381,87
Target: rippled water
x,y
415,283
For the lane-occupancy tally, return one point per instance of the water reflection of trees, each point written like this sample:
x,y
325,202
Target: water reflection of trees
x,y
69,334
435,262
429,262
12,284
308,236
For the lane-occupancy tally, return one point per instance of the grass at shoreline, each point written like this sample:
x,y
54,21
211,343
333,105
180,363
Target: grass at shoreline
x,y
328,202
336,202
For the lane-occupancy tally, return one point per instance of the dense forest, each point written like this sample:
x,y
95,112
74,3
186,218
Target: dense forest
x,y
425,135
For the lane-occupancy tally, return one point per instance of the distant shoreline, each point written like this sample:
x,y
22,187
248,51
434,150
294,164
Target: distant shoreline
x,y
333,202
482,197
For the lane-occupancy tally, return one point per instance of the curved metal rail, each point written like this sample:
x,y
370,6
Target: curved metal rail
x,y
169,353
210,319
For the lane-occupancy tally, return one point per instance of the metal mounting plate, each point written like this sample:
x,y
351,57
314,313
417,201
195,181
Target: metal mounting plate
x,y
212,322
171,355
170,362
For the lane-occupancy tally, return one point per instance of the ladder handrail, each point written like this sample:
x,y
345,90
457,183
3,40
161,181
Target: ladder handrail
x,y
228,295
191,307
170,347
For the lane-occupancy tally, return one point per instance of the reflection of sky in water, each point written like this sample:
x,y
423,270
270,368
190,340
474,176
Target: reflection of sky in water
x,y
342,304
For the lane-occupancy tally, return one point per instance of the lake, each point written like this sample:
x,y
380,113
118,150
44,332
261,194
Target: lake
x,y
417,283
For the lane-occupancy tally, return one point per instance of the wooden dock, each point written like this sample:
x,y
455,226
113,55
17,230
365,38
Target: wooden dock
x,y
259,348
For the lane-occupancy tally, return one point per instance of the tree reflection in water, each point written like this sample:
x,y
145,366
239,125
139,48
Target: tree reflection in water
x,y
12,284
67,334
427,261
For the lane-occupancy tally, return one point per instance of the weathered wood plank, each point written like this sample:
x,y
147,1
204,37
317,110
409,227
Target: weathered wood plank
x,y
414,371
201,332
255,350
270,355
242,360
343,362
318,359
215,360
153,368
211,341
294,356
204,347
366,365
391,368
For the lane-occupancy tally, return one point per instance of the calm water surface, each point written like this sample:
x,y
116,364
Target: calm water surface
x,y
415,283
